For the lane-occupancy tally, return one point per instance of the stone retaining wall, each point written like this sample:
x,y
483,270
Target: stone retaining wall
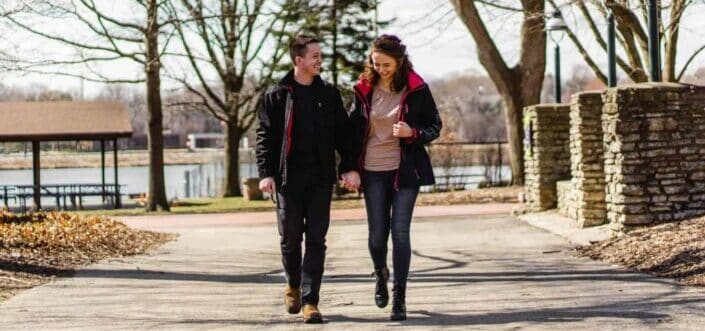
x,y
654,136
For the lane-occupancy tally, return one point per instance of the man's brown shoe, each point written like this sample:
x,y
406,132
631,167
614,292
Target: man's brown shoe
x,y
312,314
292,300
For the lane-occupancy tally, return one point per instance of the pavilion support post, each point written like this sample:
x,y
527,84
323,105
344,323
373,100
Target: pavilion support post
x,y
118,204
102,168
36,166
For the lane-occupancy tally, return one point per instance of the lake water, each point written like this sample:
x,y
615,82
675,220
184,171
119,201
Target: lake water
x,y
202,180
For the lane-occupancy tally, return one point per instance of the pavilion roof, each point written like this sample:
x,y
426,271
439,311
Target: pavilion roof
x,y
63,120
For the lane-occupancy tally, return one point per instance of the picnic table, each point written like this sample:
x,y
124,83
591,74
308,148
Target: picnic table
x,y
62,193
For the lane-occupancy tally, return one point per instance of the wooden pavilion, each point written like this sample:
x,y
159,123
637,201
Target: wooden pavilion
x,y
65,121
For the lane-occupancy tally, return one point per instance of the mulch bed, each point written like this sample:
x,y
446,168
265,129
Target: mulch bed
x,y
38,246
673,250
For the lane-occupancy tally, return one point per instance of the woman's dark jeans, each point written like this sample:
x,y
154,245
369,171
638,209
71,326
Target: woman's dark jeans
x,y
387,209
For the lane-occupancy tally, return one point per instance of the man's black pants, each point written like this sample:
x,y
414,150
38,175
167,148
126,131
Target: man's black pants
x,y
304,208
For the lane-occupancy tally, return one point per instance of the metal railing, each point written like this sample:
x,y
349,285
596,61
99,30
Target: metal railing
x,y
465,164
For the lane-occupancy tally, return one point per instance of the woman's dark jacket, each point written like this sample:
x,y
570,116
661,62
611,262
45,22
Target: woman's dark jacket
x,y
419,111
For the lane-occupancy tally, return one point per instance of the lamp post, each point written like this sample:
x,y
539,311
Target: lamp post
x,y
654,56
611,57
556,28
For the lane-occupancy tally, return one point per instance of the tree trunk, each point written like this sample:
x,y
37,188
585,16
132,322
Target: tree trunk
x,y
334,59
157,194
671,44
520,85
514,120
232,159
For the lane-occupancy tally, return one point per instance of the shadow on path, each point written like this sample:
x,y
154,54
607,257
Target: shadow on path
x,y
275,276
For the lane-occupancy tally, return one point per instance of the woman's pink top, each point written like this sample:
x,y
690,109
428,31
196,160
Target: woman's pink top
x,y
383,151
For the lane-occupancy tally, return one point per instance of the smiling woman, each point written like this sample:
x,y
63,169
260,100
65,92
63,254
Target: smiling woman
x,y
395,114
388,64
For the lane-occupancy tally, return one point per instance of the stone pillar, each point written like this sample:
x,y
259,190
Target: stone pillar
x,y
546,153
654,136
587,158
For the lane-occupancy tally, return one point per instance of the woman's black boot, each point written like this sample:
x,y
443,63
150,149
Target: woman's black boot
x,y
398,303
381,292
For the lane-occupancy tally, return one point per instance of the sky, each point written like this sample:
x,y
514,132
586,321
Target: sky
x,y
438,43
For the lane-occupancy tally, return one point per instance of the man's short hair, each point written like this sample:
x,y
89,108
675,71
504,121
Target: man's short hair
x,y
297,46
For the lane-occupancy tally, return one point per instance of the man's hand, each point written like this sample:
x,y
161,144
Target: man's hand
x,y
266,185
351,180
402,130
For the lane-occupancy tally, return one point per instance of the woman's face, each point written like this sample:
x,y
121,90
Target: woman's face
x,y
384,65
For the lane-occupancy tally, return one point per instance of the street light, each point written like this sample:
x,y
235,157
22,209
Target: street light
x,y
556,28
611,51
654,53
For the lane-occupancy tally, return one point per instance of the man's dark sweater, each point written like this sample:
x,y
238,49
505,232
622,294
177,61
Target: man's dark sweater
x,y
304,162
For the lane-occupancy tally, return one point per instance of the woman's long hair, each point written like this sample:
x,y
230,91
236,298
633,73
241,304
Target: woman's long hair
x,y
391,46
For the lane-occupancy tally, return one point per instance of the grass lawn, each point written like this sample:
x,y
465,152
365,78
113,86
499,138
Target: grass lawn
x,y
190,206
239,204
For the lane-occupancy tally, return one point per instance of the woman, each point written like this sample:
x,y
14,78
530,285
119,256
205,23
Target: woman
x,y
396,115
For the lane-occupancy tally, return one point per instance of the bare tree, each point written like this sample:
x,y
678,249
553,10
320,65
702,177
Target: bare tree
x,y
519,85
231,36
14,7
631,26
112,38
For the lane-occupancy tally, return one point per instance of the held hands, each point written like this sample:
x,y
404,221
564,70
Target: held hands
x,y
402,130
351,180
266,185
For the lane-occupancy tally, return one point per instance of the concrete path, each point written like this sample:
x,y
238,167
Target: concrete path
x,y
485,270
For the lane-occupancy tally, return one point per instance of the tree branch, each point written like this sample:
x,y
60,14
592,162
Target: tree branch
x,y
489,54
583,52
689,61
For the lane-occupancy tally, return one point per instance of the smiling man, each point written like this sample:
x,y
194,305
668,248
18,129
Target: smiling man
x,y
301,123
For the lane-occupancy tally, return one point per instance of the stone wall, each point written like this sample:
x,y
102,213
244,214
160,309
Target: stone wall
x,y
587,158
654,136
546,153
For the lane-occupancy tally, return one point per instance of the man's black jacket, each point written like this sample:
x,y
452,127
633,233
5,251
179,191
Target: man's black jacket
x,y
276,115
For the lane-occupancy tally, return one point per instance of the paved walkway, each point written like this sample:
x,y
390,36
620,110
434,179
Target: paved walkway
x,y
485,270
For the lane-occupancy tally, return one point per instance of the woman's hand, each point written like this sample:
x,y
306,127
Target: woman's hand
x,y
402,130
351,180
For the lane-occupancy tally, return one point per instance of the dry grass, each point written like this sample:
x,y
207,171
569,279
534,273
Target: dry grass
x,y
673,250
487,195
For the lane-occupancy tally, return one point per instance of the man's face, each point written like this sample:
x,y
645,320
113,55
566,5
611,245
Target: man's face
x,y
310,63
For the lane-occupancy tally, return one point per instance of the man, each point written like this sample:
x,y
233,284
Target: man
x,y
301,123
